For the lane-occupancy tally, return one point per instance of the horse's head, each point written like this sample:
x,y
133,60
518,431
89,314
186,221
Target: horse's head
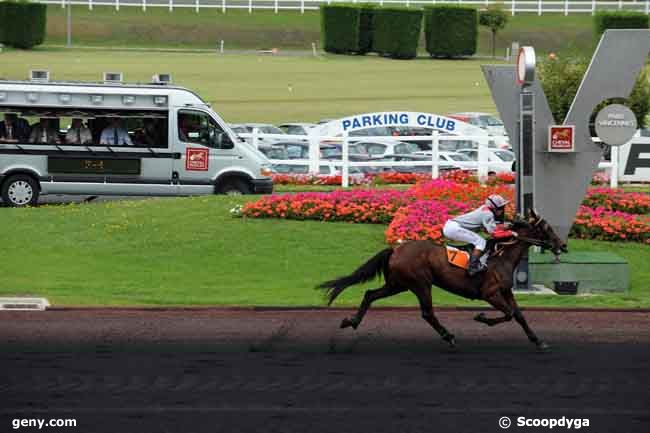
x,y
537,229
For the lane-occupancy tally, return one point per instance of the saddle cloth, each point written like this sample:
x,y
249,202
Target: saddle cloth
x,y
457,257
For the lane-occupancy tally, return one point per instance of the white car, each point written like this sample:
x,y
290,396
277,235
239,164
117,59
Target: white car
x,y
296,128
499,160
260,128
383,147
325,169
454,159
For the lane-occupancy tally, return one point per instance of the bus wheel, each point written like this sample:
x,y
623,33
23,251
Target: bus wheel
x,y
20,191
235,187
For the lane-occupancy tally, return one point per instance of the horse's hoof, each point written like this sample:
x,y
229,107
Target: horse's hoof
x,y
543,347
451,340
480,317
346,323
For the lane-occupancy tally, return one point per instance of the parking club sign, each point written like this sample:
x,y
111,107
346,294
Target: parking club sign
x,y
561,138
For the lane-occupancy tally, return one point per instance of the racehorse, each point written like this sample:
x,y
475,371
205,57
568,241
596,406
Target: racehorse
x,y
419,265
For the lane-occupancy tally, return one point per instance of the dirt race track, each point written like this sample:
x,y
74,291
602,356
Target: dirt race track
x,y
216,370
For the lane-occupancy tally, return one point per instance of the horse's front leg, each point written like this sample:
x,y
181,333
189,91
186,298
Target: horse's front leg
x,y
491,321
519,317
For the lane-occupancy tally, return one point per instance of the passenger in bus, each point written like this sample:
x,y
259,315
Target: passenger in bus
x,y
78,133
149,135
13,129
115,134
44,133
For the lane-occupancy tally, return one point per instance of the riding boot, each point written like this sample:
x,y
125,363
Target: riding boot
x,y
475,265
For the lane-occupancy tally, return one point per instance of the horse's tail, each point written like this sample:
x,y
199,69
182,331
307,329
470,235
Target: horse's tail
x,y
372,268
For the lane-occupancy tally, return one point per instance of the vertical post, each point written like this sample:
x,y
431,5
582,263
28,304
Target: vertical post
x,y
487,3
255,138
62,4
647,7
171,5
221,47
408,3
525,178
144,5
276,6
250,6
593,7
482,160
566,7
620,4
117,5
302,6
69,26
313,49
345,160
513,8
613,172
314,151
90,5
198,6
539,7
223,6
435,157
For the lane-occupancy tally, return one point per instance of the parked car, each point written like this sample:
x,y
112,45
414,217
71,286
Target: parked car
x,y
262,128
455,159
273,152
381,147
297,128
490,123
499,160
324,169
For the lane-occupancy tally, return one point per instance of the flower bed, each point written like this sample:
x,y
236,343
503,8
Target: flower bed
x,y
420,212
609,225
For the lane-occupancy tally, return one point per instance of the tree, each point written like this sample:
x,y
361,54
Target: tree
x,y
561,76
495,18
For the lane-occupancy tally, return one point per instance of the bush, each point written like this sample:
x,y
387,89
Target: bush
x,y
396,32
561,76
340,28
366,27
618,20
450,30
22,24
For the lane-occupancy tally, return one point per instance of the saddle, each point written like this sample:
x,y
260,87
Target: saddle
x,y
458,254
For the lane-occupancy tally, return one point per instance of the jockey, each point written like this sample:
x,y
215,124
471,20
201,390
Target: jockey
x,y
463,227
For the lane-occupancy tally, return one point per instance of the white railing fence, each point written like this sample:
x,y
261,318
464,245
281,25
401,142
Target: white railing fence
x,y
538,7
314,161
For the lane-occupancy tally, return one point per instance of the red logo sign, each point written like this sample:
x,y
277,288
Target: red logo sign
x,y
196,159
560,138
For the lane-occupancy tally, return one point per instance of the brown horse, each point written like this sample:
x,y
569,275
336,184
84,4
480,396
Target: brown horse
x,y
419,265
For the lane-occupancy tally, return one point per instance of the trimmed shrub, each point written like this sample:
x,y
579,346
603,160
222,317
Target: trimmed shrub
x,y
366,27
397,32
450,30
22,24
340,28
604,20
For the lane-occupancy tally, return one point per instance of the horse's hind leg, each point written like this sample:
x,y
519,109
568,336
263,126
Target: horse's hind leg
x,y
498,301
424,296
369,297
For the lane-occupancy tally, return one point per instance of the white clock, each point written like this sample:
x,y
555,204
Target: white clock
x,y
526,65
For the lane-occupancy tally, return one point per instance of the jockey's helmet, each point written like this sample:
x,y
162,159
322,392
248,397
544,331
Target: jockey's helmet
x,y
495,201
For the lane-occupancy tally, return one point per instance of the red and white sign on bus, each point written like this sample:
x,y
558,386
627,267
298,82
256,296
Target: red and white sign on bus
x,y
561,138
196,159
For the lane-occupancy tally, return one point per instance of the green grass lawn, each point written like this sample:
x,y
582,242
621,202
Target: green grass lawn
x,y
190,251
184,28
249,88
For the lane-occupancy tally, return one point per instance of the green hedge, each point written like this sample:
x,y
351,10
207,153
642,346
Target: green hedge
x,y
366,27
450,30
397,31
619,20
22,24
340,28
